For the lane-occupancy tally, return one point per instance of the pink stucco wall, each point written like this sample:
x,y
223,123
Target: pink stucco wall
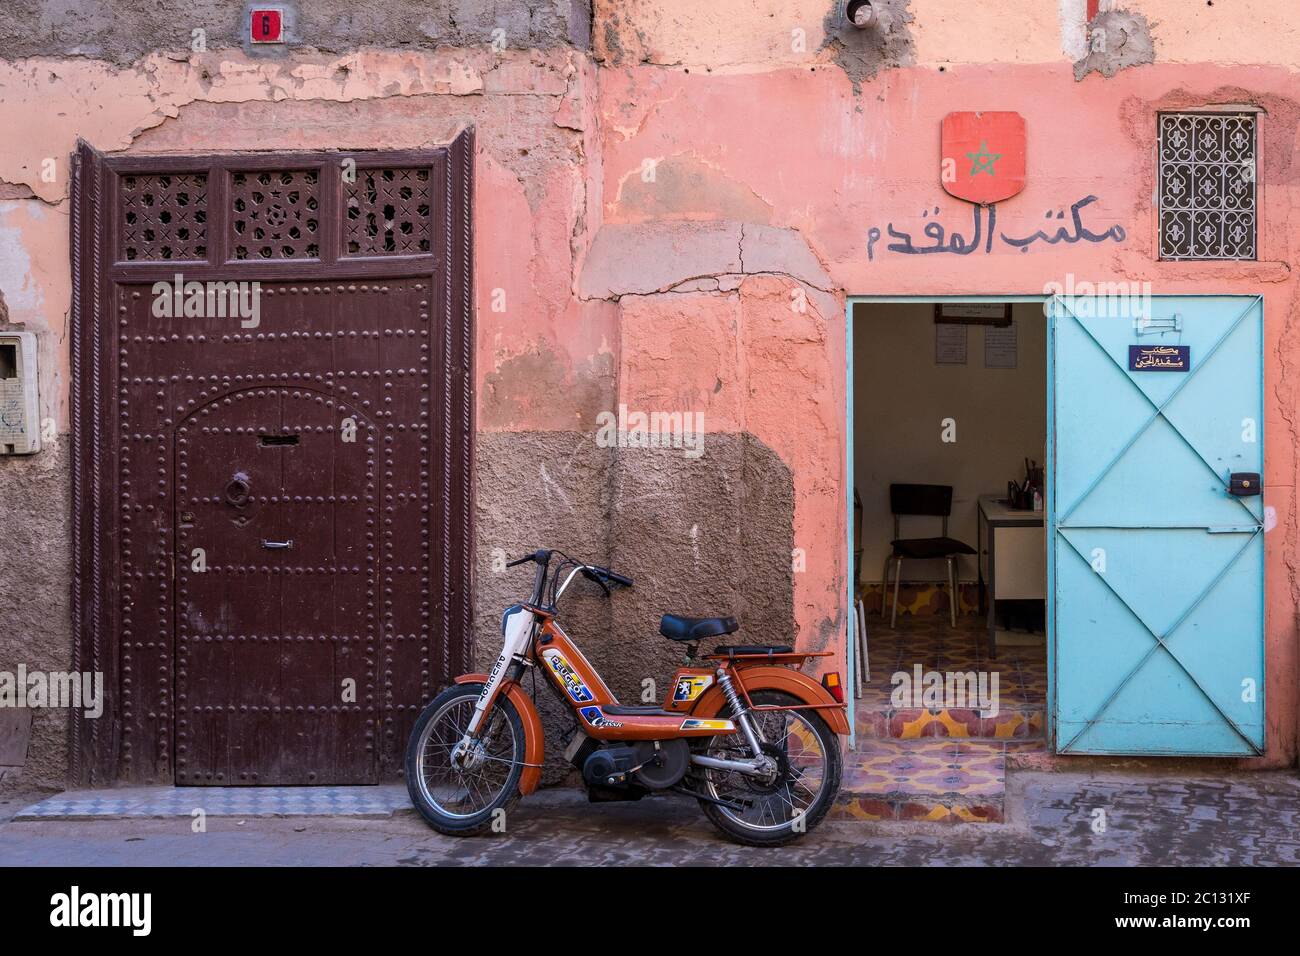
x,y
797,149
676,217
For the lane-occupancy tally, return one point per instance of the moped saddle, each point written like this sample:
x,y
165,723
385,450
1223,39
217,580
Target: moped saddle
x,y
695,628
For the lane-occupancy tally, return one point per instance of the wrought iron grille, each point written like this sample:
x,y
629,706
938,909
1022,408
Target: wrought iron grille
x,y
1207,186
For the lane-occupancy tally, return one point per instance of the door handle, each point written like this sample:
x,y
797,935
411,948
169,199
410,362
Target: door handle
x,y
277,545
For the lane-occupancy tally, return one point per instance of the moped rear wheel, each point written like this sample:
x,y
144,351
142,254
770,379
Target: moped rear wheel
x,y
464,801
773,812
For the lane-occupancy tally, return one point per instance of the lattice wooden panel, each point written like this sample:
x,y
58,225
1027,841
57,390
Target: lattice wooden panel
x,y
387,213
275,215
164,217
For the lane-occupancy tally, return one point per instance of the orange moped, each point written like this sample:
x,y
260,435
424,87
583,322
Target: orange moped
x,y
742,730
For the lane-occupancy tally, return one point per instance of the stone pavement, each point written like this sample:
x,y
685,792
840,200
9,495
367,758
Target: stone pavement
x,y
1065,818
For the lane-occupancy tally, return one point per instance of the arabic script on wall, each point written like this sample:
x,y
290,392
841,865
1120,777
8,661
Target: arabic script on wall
x,y
984,234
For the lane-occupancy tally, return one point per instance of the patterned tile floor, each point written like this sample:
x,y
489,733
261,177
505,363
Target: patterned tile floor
x,y
948,763
935,646
161,802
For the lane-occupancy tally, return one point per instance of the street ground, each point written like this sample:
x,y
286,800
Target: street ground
x,y
1060,819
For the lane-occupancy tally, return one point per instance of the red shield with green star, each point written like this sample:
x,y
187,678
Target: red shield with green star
x,y
983,156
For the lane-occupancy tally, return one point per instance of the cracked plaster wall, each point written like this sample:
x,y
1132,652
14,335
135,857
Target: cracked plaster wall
x,y
536,152
831,164
771,164
123,31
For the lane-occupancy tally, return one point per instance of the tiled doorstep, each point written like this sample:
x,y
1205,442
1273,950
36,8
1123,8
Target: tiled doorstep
x,y
1024,721
929,779
382,800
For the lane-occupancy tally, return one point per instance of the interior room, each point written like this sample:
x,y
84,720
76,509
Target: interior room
x,y
949,442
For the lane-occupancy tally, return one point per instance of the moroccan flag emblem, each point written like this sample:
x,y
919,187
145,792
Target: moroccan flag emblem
x,y
983,156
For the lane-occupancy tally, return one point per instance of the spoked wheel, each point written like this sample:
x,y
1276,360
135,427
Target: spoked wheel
x,y
781,808
461,801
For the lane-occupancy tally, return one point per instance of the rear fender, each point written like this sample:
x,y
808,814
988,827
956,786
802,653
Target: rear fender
x,y
534,739
783,679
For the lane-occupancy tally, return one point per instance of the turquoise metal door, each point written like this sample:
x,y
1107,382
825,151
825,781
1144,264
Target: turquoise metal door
x,y
1155,552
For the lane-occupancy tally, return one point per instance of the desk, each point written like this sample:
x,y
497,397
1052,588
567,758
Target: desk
x,y
1016,557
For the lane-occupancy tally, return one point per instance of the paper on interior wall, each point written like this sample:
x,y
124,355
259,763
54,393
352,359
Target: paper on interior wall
x,y
949,344
1000,346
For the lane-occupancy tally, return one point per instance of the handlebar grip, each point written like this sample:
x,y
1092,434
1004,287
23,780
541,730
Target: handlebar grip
x,y
518,561
618,579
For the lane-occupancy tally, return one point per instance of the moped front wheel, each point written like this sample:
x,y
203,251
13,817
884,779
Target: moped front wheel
x,y
465,800
770,812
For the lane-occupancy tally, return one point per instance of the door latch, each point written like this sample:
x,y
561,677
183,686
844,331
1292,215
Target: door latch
x,y
1157,325
277,545
1244,484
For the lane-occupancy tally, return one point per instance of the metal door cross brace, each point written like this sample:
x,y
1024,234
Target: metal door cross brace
x,y
1159,410
1160,642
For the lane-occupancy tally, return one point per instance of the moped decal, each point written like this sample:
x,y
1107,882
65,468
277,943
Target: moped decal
x,y
487,685
688,688
695,723
568,676
593,716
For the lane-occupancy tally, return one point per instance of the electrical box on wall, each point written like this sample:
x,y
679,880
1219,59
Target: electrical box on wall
x,y
20,428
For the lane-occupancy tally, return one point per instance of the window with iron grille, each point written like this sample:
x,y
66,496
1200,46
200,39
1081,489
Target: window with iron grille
x,y
1207,186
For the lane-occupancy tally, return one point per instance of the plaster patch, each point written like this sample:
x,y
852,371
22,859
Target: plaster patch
x,y
110,107
25,296
1117,39
656,256
36,562
685,187
125,30
539,386
864,53
1010,31
719,36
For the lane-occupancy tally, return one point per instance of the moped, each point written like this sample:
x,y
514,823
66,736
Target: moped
x,y
742,729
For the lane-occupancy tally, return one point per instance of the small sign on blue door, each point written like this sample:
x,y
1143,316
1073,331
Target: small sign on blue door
x,y
1159,358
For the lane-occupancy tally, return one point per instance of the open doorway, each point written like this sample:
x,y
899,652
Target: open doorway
x,y
949,424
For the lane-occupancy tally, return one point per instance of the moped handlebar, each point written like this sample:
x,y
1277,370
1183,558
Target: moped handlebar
x,y
542,558
616,578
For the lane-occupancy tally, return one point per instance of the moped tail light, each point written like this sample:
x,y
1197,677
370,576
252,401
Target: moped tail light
x,y
831,682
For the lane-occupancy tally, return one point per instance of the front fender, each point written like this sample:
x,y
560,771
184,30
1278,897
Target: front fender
x,y
785,680
534,738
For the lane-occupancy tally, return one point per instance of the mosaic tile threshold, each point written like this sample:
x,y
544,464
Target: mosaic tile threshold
x,y
926,780
383,800
1021,723
927,645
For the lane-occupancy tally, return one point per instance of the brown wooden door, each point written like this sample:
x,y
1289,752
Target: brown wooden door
x,y
277,615
273,509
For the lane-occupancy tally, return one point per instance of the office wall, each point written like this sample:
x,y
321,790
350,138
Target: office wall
x,y
902,397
